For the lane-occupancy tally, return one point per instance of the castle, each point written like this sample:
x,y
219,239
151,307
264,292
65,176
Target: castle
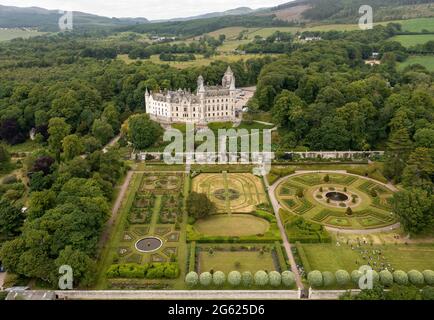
x,y
207,104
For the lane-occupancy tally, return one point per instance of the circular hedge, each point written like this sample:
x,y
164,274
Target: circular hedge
x,y
205,279
342,277
375,276
386,278
234,278
355,276
261,278
400,277
415,277
247,278
218,278
328,278
288,278
275,278
429,277
192,279
315,278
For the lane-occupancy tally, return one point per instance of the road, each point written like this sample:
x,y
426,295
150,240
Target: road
x,y
286,244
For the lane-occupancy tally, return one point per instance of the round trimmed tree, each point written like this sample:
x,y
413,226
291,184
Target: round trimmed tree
x,y
386,278
328,278
261,278
342,277
234,278
415,277
355,276
429,277
219,278
205,279
375,276
288,278
192,279
315,278
247,278
275,278
400,277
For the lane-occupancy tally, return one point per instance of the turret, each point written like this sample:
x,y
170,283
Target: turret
x,y
228,78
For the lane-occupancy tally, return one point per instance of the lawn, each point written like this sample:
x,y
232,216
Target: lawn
x,y
227,261
413,40
10,34
230,225
415,25
329,257
426,61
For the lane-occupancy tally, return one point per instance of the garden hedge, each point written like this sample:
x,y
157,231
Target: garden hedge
x,y
234,278
247,278
261,278
342,277
429,277
155,270
315,278
219,278
205,279
192,279
386,278
416,277
275,278
355,276
328,278
400,277
288,278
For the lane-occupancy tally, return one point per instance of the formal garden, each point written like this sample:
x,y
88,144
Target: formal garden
x,y
337,200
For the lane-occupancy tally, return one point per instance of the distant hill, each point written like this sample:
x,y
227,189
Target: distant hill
x,y
232,12
47,20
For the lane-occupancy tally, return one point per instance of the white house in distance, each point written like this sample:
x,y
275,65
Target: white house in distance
x,y
207,104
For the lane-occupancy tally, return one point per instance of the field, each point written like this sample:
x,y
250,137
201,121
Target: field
x,y
200,60
327,202
10,34
426,61
227,261
415,25
413,40
229,225
232,192
330,257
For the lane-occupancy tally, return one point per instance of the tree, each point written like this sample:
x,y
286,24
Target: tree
x,y
199,205
400,277
419,171
428,277
72,146
386,278
328,278
415,277
415,209
424,138
11,219
315,278
288,279
205,279
275,278
342,277
5,157
102,130
218,278
82,265
246,278
57,129
397,153
261,278
234,278
143,132
111,116
43,164
192,279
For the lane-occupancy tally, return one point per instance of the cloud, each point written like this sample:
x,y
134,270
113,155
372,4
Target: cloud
x,y
151,9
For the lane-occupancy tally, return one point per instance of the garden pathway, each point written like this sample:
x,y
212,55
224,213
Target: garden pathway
x,y
286,244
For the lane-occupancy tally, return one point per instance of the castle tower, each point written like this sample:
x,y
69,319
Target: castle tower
x,y
228,78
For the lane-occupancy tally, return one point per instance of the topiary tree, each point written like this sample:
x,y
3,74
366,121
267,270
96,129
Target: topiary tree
x,y
349,211
288,278
342,277
192,279
315,278
246,278
275,278
326,178
205,279
328,278
218,278
429,277
415,277
355,276
234,278
300,193
386,278
261,278
400,277
375,277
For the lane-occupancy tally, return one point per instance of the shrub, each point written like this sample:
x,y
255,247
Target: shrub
x,y
288,278
315,278
219,278
328,278
428,293
10,179
373,193
400,277
429,277
355,276
349,212
205,279
415,277
342,277
247,278
326,178
375,276
234,278
192,279
300,193
261,278
275,278
386,278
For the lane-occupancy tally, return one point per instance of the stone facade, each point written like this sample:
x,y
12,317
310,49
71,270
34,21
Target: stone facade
x,y
207,104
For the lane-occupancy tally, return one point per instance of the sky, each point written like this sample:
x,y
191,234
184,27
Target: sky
x,y
150,9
